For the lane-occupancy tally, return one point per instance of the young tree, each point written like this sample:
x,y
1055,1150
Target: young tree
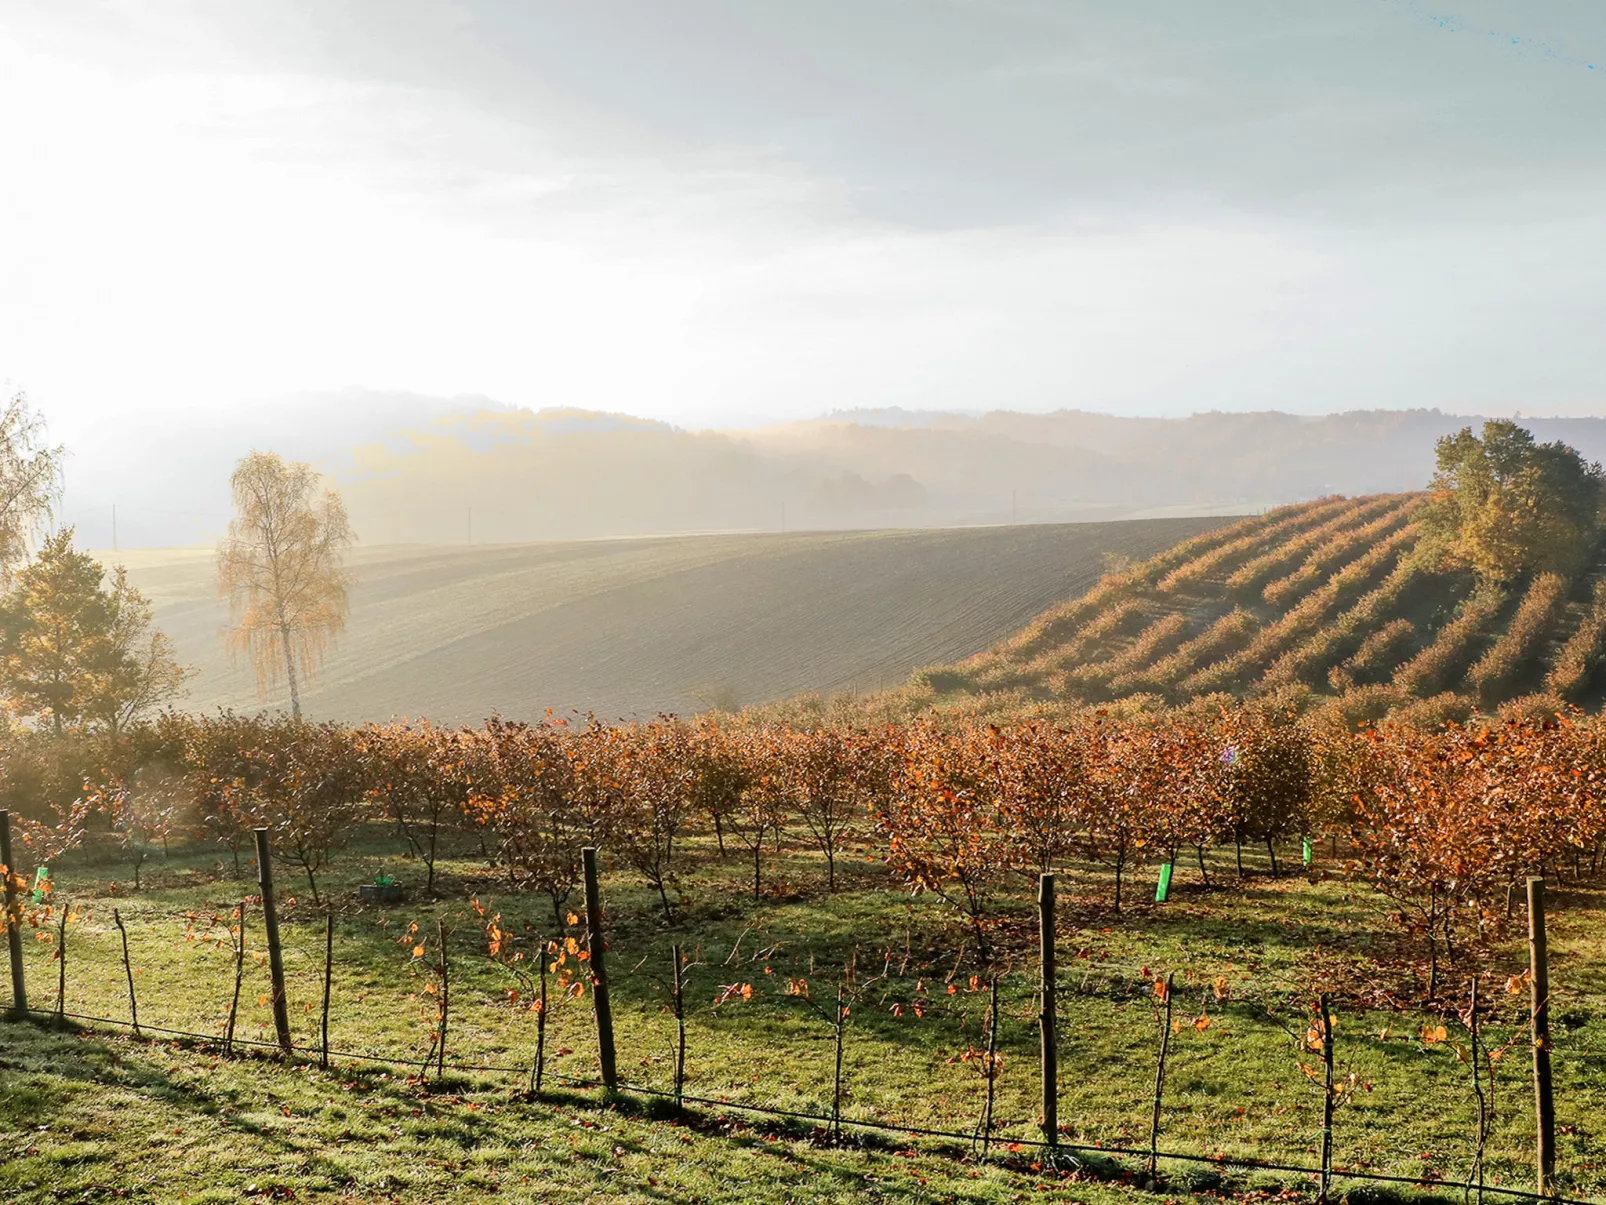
x,y
944,833
414,779
654,765
78,652
56,635
309,797
521,787
281,568
30,481
832,778
1505,505
761,808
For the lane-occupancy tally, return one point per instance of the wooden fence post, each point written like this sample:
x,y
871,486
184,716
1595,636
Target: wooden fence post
x,y
61,968
128,970
680,1030
1477,1092
538,1069
1327,1100
239,974
440,1049
1159,1080
1544,1097
991,1065
836,1090
328,975
270,922
1050,1017
19,987
595,943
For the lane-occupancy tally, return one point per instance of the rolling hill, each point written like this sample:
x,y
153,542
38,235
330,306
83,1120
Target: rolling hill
x,y
636,626
1319,605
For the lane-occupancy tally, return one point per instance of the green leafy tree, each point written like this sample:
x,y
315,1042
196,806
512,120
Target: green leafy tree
x,y
1504,505
76,651
59,654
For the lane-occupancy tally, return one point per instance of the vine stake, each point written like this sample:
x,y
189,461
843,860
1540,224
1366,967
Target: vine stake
x,y
128,970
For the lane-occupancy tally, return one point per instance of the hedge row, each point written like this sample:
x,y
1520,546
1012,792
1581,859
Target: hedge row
x,y
1233,631
1378,653
1301,622
1229,554
1252,578
1434,666
1513,653
1338,550
1155,641
1580,657
1123,616
1310,661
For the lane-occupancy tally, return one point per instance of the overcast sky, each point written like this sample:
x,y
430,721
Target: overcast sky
x,y
734,211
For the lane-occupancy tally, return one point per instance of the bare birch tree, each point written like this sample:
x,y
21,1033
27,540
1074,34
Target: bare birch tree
x,y
281,567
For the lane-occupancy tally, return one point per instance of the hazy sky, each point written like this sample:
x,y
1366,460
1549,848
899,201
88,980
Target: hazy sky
x,y
708,210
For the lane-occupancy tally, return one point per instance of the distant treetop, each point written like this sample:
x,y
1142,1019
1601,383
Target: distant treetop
x,y
1504,505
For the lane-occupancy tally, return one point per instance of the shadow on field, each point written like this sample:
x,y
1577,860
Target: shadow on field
x,y
45,1067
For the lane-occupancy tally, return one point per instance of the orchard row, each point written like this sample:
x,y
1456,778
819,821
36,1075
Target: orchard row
x,y
1445,823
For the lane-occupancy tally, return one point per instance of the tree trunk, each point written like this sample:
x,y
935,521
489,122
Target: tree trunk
x,y
429,872
1199,852
290,671
1433,944
312,883
1272,850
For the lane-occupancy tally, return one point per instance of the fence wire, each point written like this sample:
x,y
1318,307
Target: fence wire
x,y
1010,1146
824,1120
1276,1001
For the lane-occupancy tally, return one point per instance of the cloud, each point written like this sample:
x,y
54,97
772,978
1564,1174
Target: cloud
x,y
712,211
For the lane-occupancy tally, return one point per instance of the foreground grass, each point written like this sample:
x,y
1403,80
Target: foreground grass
x,y
91,1117
1247,958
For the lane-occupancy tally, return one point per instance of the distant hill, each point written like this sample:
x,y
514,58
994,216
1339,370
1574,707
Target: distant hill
x,y
417,469
1076,457
632,627
167,473
1318,605
557,473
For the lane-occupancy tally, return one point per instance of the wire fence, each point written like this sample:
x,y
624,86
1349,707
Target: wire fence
x,y
823,1120
965,1036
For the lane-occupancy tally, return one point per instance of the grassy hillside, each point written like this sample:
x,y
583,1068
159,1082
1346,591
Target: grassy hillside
x,y
1320,603
632,627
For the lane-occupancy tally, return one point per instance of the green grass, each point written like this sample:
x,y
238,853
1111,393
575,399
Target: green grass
x,y
177,1121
